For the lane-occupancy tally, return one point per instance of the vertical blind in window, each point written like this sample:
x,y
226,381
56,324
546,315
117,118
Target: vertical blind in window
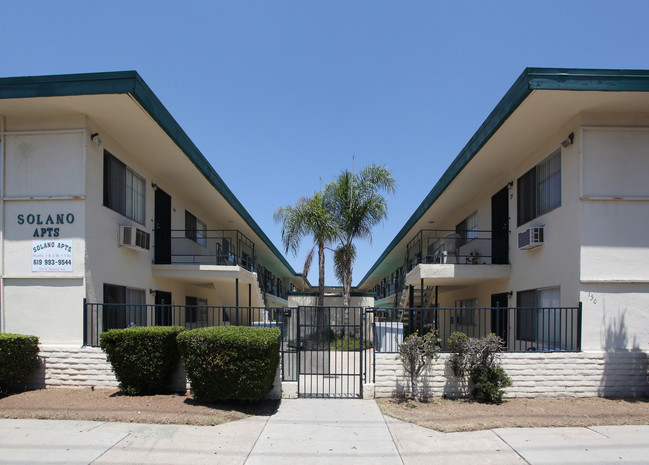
x,y
548,181
196,311
124,190
468,228
130,308
195,229
539,190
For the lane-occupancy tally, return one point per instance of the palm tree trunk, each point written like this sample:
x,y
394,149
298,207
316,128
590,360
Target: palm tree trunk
x,y
321,276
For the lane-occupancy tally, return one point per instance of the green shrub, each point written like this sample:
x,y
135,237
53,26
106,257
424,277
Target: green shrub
x,y
230,362
18,358
143,358
478,358
489,383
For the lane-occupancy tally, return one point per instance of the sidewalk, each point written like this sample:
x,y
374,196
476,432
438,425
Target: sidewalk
x,y
314,431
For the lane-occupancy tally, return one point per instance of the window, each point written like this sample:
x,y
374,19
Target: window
x,y
124,189
537,316
196,311
539,190
128,309
465,317
195,229
468,228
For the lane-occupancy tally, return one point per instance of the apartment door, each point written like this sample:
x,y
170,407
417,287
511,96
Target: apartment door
x,y
500,227
163,309
162,234
500,315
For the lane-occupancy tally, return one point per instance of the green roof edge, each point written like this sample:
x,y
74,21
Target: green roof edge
x,y
530,79
130,82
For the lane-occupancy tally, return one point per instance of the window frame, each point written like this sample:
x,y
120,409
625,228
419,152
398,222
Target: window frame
x,y
539,189
199,315
125,299
465,313
468,228
124,189
195,229
533,299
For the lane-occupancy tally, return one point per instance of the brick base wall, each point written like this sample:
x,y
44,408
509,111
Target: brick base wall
x,y
584,374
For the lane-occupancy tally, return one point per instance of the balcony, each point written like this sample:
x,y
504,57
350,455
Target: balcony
x,y
463,247
449,257
212,247
456,257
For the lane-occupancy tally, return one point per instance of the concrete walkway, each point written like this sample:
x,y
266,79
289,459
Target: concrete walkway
x,y
314,432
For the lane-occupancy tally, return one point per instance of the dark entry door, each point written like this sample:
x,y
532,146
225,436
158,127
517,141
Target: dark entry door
x,y
500,227
499,315
163,309
162,235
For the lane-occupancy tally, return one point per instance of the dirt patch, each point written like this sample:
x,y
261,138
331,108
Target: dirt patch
x,y
439,414
463,415
114,405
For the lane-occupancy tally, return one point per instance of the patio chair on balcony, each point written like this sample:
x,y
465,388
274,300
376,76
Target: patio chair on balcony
x,y
451,245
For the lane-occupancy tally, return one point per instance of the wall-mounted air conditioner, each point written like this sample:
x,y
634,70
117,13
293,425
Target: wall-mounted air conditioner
x,y
134,238
531,238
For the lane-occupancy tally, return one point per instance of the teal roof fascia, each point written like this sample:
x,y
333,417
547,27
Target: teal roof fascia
x,y
531,79
130,82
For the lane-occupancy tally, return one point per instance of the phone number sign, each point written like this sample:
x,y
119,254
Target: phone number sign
x,y
52,256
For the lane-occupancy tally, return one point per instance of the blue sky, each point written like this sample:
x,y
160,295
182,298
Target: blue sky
x,y
298,87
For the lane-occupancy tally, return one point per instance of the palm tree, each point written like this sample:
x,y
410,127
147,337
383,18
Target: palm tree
x,y
357,204
308,216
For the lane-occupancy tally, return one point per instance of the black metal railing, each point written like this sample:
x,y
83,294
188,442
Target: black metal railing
x,y
521,329
461,247
100,317
334,351
269,283
213,247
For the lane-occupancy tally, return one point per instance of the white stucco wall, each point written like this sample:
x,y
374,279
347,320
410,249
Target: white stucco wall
x,y
555,264
615,249
43,201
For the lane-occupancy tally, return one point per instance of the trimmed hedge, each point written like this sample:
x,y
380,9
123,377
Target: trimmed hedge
x,y
230,362
143,358
18,358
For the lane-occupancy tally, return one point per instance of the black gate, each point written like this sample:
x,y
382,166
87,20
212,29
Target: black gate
x,y
333,352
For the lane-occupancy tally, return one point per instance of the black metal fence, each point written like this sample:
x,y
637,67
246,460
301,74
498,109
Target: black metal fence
x,y
100,317
333,349
522,329
330,351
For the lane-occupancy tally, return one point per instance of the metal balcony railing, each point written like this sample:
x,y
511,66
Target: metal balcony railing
x,y
213,247
461,247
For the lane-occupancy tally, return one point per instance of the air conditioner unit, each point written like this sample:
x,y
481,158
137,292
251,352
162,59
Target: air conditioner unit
x,y
531,238
134,238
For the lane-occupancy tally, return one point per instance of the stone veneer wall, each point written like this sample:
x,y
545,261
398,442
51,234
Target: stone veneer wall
x,y
73,366
86,367
583,374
